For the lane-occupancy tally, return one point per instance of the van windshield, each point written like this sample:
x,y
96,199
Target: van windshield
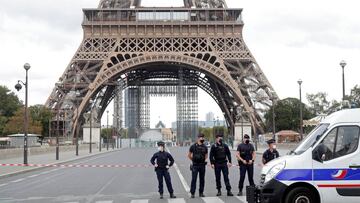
x,y
311,139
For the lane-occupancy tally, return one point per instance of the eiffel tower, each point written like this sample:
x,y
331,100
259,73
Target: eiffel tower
x,y
199,44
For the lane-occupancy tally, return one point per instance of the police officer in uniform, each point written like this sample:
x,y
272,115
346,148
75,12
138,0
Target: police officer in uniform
x,y
246,156
220,158
161,161
270,153
198,153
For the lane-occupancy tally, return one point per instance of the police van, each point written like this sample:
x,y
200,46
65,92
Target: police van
x,y
324,168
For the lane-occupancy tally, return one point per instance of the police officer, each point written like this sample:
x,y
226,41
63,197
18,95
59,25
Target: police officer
x,y
246,156
161,162
198,153
270,153
220,158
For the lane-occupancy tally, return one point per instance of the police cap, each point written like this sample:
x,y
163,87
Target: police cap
x,y
161,143
271,141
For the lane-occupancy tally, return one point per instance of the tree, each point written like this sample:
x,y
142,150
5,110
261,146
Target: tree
x,y
16,124
318,103
9,104
287,116
354,97
43,115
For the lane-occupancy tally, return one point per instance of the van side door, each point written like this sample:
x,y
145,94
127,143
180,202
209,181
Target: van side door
x,y
336,165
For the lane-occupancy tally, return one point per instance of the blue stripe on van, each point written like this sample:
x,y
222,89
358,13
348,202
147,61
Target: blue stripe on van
x,y
319,174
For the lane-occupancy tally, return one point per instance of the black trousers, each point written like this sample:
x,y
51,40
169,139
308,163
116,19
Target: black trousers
x,y
250,171
225,171
198,169
161,175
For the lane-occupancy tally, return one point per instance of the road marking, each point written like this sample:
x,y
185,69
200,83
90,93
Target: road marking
x,y
18,180
182,179
104,201
241,198
212,200
3,184
33,176
178,200
140,201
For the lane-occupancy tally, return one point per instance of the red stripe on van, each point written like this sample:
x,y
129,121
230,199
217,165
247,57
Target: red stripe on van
x,y
341,186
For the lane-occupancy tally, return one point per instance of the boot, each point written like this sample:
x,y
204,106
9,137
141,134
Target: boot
x,y
219,193
201,195
240,193
161,196
230,194
192,196
172,196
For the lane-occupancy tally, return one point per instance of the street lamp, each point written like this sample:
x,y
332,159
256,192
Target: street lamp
x,y
107,129
301,110
26,122
343,64
91,107
214,129
77,94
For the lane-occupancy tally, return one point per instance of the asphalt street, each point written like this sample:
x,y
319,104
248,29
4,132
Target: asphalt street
x,y
133,184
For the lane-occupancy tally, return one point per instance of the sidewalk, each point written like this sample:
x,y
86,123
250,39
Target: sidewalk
x,y
49,158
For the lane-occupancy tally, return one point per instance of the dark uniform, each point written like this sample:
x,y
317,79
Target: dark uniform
x,y
162,160
269,155
219,157
198,166
246,151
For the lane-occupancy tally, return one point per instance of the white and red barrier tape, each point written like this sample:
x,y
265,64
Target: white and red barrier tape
x,y
91,166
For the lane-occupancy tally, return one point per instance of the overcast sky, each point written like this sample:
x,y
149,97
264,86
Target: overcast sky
x,y
290,40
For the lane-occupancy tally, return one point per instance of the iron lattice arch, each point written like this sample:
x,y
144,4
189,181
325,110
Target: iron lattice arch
x,y
114,53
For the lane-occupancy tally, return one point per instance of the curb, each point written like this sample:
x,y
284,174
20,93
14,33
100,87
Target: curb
x,y
61,162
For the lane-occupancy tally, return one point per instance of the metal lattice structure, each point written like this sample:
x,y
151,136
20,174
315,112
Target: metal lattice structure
x,y
124,42
137,104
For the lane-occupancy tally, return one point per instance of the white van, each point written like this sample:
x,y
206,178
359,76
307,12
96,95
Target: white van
x,y
324,168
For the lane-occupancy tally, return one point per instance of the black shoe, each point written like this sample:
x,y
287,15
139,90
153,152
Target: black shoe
x,y
172,196
192,195
230,194
240,193
219,193
161,196
201,195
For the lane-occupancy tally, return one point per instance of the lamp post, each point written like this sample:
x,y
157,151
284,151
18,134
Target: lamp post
x,y
57,134
90,146
26,122
77,93
214,129
343,64
107,129
301,110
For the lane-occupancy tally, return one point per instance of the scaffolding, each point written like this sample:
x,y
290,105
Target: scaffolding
x,y
137,106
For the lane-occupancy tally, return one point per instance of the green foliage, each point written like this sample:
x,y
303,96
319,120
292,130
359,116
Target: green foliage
x,y
9,104
320,105
40,113
287,115
211,132
16,124
354,97
106,132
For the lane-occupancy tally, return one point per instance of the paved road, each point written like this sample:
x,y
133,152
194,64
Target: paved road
x,y
107,185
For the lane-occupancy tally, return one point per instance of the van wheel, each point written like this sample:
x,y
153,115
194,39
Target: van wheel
x,y
300,195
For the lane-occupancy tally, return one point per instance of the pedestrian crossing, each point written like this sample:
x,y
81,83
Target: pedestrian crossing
x,y
224,199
